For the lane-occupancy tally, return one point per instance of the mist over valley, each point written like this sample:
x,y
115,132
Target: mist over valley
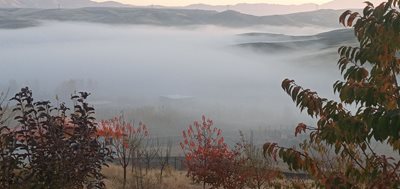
x,y
169,76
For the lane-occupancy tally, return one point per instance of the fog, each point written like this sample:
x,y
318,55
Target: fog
x,y
165,76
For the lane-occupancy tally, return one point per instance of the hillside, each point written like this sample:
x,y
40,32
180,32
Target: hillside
x,y
257,9
264,9
273,43
166,17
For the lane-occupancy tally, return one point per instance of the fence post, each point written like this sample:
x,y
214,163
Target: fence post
x,y
175,163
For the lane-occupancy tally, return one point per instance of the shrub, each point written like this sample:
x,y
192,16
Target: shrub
x,y
209,159
49,148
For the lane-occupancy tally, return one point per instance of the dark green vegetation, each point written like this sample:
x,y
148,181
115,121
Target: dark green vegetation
x,y
50,147
370,73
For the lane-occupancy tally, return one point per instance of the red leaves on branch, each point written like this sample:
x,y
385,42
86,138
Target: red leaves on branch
x,y
117,128
208,158
301,127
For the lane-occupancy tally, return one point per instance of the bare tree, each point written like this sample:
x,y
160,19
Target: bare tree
x,y
258,168
150,152
138,168
136,144
164,157
146,152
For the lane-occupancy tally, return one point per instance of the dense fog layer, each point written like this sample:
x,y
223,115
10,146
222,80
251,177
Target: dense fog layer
x,y
166,77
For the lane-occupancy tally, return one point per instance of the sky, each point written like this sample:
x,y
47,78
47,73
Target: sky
x,y
213,2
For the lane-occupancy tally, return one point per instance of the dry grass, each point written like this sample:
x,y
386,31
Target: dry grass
x,y
172,179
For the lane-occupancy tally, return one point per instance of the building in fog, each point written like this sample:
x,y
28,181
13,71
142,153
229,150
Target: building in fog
x,y
175,101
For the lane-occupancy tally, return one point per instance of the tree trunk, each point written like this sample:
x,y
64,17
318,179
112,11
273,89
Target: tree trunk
x,y
124,184
141,176
147,165
133,164
161,173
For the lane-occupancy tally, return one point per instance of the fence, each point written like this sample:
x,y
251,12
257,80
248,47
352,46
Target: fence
x,y
175,162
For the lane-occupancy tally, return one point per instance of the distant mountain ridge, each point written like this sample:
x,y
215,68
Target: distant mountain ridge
x,y
166,17
52,4
264,9
260,9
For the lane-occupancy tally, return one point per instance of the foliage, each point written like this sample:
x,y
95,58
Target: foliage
x,y
50,149
209,159
10,162
124,139
370,74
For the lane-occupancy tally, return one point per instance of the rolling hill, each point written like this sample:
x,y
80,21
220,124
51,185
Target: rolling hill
x,y
257,9
273,43
264,9
167,17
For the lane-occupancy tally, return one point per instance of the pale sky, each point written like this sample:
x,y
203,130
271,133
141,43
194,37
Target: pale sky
x,y
213,2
